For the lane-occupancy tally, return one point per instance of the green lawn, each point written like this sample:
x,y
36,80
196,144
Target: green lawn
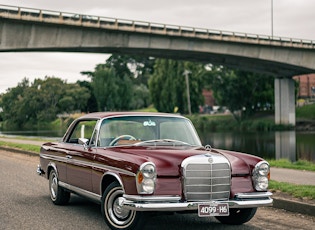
x,y
299,191
25,147
300,164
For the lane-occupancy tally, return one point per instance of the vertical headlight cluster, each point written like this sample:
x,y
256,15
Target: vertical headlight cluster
x,y
145,178
261,175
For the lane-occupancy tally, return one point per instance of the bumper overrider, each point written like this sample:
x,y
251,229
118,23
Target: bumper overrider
x,y
241,200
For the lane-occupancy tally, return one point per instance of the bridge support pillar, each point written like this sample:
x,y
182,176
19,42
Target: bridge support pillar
x,y
284,101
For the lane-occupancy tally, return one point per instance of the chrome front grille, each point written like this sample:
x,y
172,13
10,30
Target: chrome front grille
x,y
206,177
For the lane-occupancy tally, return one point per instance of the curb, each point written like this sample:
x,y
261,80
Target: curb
x,y
10,149
294,206
279,203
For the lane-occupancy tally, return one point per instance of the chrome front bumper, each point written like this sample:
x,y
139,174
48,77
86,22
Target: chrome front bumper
x,y
173,204
39,170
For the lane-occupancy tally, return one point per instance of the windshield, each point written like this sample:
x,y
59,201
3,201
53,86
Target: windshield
x,y
147,130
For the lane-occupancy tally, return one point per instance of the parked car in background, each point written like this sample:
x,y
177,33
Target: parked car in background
x,y
139,163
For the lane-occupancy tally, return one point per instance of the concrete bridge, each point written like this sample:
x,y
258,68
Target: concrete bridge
x,y
26,29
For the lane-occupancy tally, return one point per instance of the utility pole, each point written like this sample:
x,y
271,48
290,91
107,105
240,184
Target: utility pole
x,y
186,73
271,18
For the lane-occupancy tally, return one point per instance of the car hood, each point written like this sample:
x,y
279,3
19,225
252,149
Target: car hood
x,y
168,159
241,163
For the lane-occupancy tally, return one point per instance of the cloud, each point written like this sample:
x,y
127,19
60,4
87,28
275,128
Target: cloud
x,y
67,66
292,18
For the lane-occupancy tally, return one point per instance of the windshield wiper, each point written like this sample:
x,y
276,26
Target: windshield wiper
x,y
162,142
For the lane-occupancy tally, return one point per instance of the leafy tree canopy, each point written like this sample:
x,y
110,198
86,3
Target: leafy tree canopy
x,y
168,86
121,82
241,92
30,103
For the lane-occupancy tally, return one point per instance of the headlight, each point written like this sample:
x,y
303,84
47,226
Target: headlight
x,y
261,174
145,178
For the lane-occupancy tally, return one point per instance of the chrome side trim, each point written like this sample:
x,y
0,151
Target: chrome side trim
x,y
92,196
110,168
52,157
49,148
84,163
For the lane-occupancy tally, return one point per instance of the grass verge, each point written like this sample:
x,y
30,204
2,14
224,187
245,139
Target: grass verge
x,y
285,163
298,191
306,112
25,147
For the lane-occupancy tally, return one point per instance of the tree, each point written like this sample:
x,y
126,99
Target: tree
x,y
30,104
75,98
91,105
121,83
111,91
168,88
241,92
14,113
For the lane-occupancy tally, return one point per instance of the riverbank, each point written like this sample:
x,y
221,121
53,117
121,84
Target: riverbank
x,y
261,121
264,123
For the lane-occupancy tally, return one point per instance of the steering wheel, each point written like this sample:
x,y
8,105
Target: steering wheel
x,y
122,137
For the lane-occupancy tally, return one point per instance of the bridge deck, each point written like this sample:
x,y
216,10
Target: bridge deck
x,y
73,19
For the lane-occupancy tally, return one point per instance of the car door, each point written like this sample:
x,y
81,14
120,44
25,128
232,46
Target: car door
x,y
79,157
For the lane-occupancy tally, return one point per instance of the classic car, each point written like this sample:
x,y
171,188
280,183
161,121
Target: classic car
x,y
135,164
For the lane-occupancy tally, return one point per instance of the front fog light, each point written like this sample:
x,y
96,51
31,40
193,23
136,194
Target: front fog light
x,y
261,184
148,186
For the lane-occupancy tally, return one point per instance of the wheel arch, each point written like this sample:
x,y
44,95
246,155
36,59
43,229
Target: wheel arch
x,y
51,166
109,178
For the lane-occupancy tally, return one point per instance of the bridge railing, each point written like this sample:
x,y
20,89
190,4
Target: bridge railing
x,y
48,16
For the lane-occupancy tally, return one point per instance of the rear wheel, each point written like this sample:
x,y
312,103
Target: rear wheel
x,y
238,216
115,215
57,194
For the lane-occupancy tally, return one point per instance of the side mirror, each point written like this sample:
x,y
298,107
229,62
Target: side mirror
x,y
84,142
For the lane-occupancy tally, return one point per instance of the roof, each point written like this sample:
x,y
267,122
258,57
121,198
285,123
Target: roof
x,y
100,115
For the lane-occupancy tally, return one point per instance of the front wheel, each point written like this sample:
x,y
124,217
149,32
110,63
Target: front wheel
x,y
115,215
57,194
238,216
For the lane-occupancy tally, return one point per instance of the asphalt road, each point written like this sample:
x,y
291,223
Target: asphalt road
x,y
25,204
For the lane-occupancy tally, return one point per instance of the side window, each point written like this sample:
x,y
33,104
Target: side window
x,y
83,129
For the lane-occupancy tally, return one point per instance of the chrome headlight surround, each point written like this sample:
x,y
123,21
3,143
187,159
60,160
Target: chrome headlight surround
x,y
145,178
261,175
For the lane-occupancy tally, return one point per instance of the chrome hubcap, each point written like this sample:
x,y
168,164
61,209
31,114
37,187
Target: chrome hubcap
x,y
117,214
119,210
54,186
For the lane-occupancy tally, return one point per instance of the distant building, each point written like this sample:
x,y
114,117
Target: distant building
x,y
208,96
208,103
306,85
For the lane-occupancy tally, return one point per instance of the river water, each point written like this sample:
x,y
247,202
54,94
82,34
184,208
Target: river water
x,y
291,145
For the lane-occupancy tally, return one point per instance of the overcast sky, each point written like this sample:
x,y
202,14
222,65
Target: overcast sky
x,y
291,18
